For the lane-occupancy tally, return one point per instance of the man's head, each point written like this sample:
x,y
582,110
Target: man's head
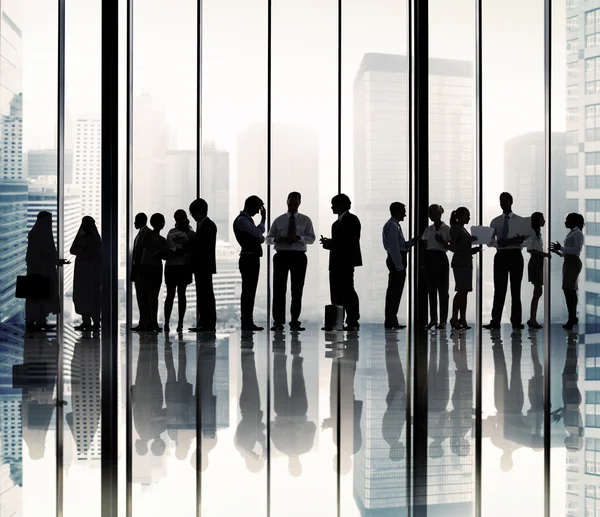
x,y
140,221
199,209
253,204
293,202
398,210
340,204
506,202
157,221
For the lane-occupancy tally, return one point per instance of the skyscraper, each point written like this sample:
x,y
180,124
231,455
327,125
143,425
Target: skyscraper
x,y
87,172
11,152
43,162
381,153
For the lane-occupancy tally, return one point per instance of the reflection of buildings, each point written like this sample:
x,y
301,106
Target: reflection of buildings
x,y
381,146
43,162
11,153
86,174
43,196
295,166
524,177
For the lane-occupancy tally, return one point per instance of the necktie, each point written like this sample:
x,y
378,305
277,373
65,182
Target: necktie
x,y
504,233
292,226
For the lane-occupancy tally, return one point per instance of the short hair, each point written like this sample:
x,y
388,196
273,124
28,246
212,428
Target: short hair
x,y
435,206
253,203
142,217
508,195
199,206
296,195
396,205
157,219
343,200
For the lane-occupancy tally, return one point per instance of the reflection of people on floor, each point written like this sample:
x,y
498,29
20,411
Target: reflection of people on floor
x,y
250,439
395,413
461,416
291,431
570,412
535,392
149,416
84,418
343,372
179,400
438,386
207,361
37,378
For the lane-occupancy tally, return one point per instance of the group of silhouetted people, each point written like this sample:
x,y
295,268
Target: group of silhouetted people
x,y
190,255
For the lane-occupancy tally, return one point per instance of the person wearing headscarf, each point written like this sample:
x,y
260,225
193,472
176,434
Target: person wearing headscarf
x,y
87,280
42,259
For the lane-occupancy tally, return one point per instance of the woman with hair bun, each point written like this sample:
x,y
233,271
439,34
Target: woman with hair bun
x,y
535,269
436,267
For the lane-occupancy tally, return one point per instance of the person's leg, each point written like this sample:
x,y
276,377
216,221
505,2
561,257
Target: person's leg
x,y
250,268
169,298
500,286
142,300
86,318
456,304
537,294
432,287
393,293
281,266
181,303
463,306
298,276
335,287
443,286
516,277
351,302
571,301
206,301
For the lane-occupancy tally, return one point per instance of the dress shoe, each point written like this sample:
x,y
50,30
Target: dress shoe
x,y
518,326
491,326
532,325
252,327
84,327
277,328
296,326
139,328
394,326
570,324
352,327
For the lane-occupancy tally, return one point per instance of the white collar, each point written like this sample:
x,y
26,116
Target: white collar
x,y
510,215
575,229
288,214
342,215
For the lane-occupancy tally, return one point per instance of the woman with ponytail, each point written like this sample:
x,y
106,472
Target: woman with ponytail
x,y
535,269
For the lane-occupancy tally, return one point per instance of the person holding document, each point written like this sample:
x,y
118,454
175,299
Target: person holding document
x,y
508,263
572,265
461,243
535,269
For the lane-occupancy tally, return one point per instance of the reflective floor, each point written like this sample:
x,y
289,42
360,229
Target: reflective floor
x,y
303,424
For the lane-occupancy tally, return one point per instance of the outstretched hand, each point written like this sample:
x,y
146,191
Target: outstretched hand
x,y
63,262
555,247
325,242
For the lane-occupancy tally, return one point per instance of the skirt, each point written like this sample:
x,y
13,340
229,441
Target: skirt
x,y
535,269
178,275
570,271
463,278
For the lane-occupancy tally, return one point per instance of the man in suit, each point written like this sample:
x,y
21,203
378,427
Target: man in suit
x,y
344,256
204,266
250,238
141,289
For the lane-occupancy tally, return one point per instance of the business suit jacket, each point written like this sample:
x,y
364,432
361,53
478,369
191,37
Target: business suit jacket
x,y
345,246
203,249
138,251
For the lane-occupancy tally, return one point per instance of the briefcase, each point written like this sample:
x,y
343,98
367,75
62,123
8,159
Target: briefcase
x,y
33,287
334,317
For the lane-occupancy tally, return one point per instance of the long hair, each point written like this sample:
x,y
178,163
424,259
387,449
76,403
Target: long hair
x,y
185,221
536,221
459,212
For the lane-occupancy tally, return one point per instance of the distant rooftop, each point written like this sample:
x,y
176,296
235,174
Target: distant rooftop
x,y
398,63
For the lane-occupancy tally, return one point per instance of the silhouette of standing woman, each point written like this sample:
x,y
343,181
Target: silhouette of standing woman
x,y
87,280
178,269
535,268
572,265
436,266
42,259
462,265
152,268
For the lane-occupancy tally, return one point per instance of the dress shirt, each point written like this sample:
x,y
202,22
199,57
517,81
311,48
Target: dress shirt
x,y
280,226
573,242
199,223
394,242
498,224
535,243
430,233
246,224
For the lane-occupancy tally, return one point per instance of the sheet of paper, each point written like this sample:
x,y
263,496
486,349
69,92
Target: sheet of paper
x,y
519,226
483,234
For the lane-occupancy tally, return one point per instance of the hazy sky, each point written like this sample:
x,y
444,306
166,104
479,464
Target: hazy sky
x,y
304,71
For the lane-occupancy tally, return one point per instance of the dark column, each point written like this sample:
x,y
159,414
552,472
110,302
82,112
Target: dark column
x,y
110,220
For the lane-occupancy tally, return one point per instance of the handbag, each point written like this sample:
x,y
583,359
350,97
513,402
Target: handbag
x,y
334,317
33,287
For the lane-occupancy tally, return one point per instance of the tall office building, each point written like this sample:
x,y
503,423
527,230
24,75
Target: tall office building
x,y
43,196
43,162
295,166
381,153
87,164
524,174
11,153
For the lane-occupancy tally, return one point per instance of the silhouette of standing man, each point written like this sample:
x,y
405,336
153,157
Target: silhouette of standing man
x,y
141,289
250,238
508,263
344,256
290,233
204,266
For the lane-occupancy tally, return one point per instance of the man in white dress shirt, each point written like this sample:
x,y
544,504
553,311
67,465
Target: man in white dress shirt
x,y
508,263
290,233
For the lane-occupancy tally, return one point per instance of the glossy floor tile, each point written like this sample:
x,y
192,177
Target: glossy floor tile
x,y
311,423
